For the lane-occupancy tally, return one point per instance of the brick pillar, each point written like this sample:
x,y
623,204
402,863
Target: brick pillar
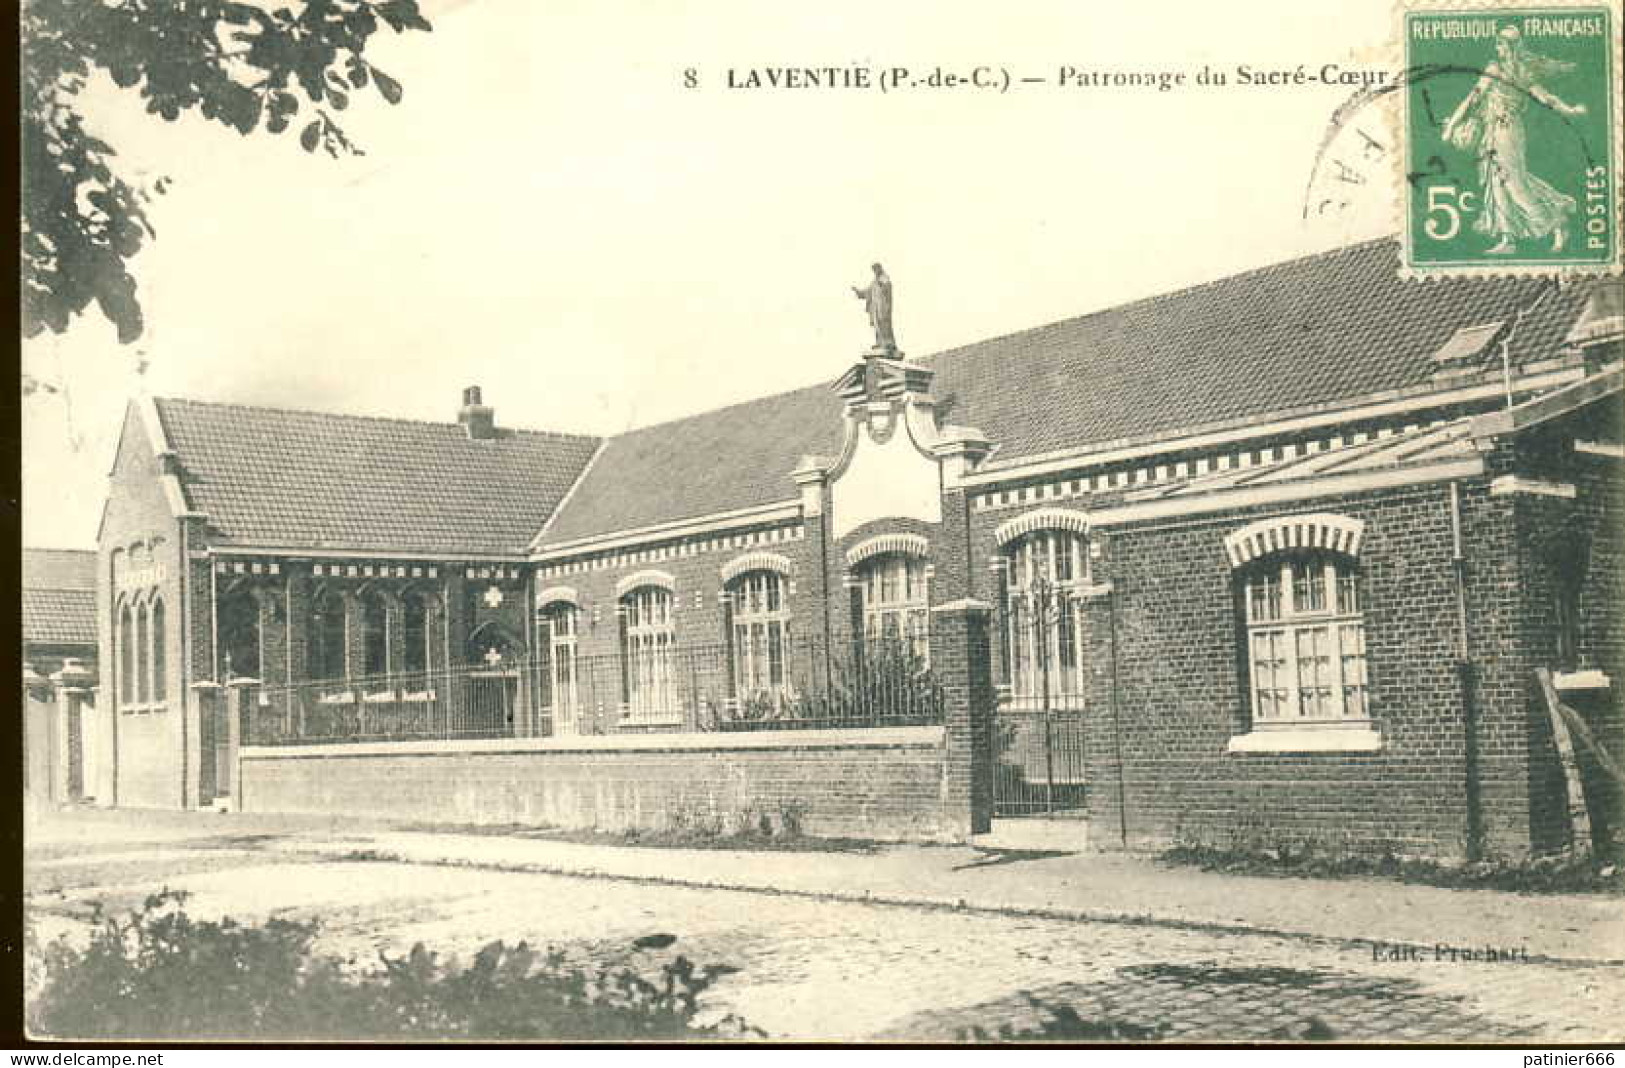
x,y
955,572
210,700
454,705
961,662
273,632
39,737
394,624
73,770
355,649
296,625
241,695
458,621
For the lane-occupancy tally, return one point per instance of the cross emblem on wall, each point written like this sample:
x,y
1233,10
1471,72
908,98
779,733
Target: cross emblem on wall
x,y
493,597
493,657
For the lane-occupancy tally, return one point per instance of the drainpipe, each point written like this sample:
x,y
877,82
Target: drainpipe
x,y
214,619
109,690
184,572
1117,722
1468,681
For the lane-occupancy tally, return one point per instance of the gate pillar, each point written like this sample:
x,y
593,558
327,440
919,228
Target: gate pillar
x,y
961,660
234,711
40,732
72,742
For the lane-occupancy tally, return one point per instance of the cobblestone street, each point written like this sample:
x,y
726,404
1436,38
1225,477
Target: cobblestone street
x,y
844,970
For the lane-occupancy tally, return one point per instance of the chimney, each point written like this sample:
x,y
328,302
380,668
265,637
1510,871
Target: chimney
x,y
477,419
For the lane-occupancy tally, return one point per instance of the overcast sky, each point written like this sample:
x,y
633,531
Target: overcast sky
x,y
550,214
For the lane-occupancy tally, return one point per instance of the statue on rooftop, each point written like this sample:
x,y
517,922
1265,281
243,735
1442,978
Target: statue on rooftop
x,y
876,297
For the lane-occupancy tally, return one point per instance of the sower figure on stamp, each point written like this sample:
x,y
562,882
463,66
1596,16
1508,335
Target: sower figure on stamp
x,y
876,297
1490,123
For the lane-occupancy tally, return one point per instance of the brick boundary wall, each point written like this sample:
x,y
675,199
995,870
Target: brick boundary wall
x,y
882,783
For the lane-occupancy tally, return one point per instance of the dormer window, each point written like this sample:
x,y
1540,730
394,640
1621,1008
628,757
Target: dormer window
x,y
1468,344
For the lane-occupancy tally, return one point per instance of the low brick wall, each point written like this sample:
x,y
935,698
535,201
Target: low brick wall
x,y
885,783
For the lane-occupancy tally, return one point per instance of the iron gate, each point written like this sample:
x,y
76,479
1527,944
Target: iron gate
x,y
1038,765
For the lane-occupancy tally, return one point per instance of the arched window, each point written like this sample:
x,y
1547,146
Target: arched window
x,y
143,653
126,656
894,602
1305,638
374,634
239,623
1044,615
559,690
647,645
759,633
327,636
415,632
160,667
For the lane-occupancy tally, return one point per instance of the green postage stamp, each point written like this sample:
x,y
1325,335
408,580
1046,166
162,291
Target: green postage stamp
x,y
1511,135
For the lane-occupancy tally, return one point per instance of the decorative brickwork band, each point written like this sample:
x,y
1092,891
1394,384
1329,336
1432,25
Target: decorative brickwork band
x,y
556,594
758,561
1041,519
910,544
1336,532
631,582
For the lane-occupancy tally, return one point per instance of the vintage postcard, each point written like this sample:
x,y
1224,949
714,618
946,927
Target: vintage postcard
x,y
923,523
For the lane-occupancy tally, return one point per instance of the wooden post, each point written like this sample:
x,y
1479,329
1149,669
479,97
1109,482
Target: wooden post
x,y
1579,818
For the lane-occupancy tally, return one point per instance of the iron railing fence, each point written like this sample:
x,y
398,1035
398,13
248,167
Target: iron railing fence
x,y
1039,762
452,703
786,684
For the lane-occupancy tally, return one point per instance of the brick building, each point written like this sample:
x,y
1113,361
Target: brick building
x,y
59,672
1283,554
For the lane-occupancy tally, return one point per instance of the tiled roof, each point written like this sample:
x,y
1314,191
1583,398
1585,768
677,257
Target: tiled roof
x,y
718,461
59,569
1307,333
59,596
272,477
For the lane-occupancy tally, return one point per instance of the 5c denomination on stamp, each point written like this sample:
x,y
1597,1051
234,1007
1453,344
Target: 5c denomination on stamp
x,y
1511,139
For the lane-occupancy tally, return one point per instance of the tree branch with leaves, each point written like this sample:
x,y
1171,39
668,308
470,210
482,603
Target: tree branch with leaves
x,y
245,66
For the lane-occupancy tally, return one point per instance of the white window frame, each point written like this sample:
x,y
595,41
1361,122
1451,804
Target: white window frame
x,y
650,641
760,635
561,621
1292,602
1061,559
895,591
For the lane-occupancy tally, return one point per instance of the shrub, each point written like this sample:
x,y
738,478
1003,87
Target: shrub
x,y
886,684
1255,853
162,975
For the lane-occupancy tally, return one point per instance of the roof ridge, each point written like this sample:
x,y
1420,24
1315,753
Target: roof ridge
x,y
674,420
1170,294
281,410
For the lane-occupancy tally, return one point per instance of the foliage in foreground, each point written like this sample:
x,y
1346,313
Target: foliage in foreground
x,y
159,974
